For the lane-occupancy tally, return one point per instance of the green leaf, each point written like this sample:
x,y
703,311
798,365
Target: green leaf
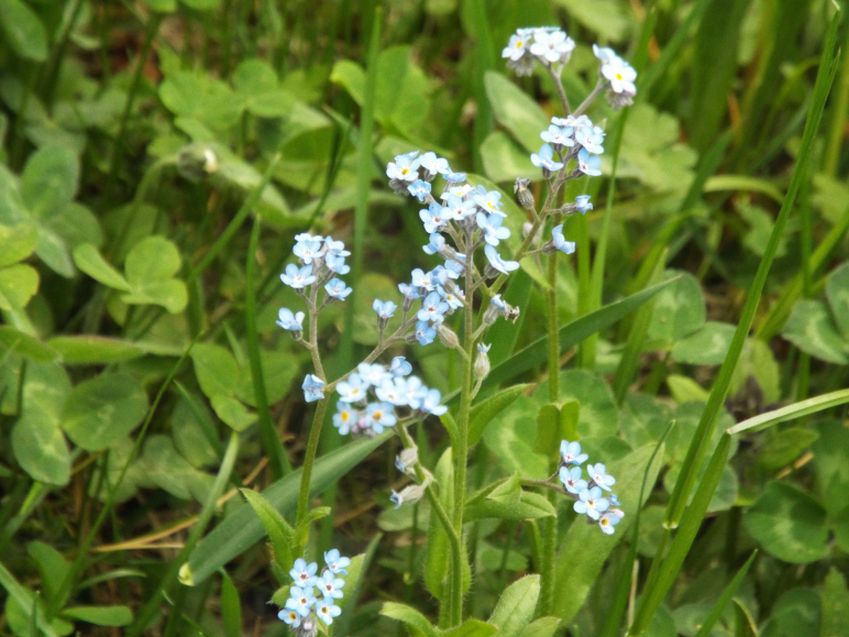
x,y
679,310
512,442
798,409
705,630
837,291
162,6
684,389
280,532
241,529
24,30
17,242
832,470
784,447
506,500
708,346
516,606
796,612
100,615
471,628
503,160
50,180
26,600
789,524
91,349
542,627
418,624
585,548
231,607
12,340
811,329
485,410
200,96
515,110
598,415
171,472
52,567
216,369
18,284
835,601
257,84
607,18
150,268
89,260
103,410
40,447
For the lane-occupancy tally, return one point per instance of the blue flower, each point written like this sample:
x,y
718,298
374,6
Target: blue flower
x,y
590,137
327,610
400,367
559,241
303,572
457,208
619,74
380,415
336,264
433,308
404,168
434,164
454,177
409,292
489,201
436,243
336,562
570,453
422,279
495,260
493,231
420,189
516,47
591,503
433,217
552,45
330,585
290,616
335,248
583,204
396,498
336,289
425,334
598,474
345,418
384,309
294,322
559,135
430,403
393,390
298,278
352,389
589,164
572,479
308,247
372,374
313,388
607,521
545,159
301,599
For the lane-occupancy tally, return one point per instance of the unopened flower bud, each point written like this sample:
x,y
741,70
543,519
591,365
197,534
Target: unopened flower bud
x,y
482,365
406,461
527,227
447,336
408,495
523,194
196,161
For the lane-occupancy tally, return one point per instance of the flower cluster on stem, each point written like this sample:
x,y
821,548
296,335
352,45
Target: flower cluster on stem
x,y
313,597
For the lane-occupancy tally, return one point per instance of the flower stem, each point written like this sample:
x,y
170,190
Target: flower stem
x,y
309,460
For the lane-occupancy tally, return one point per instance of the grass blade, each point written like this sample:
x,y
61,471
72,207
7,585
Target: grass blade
x,y
727,594
791,412
699,445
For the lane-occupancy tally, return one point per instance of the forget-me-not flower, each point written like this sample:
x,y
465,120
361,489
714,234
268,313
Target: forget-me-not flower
x,y
298,278
288,320
545,159
313,388
559,242
336,289
502,265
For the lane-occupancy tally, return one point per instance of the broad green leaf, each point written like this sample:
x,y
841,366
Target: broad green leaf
x,y
679,310
708,346
585,549
202,97
485,410
50,180
216,369
503,160
89,260
195,435
516,606
418,624
18,284
24,598
100,615
795,613
789,524
760,223
685,390
835,601
542,627
170,471
783,447
472,628
811,329
231,607
12,340
512,442
516,111
832,470
607,18
52,566
150,268
256,83
280,532
16,242
837,291
506,500
241,529
86,349
103,410
232,412
280,369
40,447
162,6
598,414
23,29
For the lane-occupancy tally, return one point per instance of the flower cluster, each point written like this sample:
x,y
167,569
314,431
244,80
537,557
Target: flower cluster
x,y
618,75
371,397
593,495
571,139
306,607
549,45
462,219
